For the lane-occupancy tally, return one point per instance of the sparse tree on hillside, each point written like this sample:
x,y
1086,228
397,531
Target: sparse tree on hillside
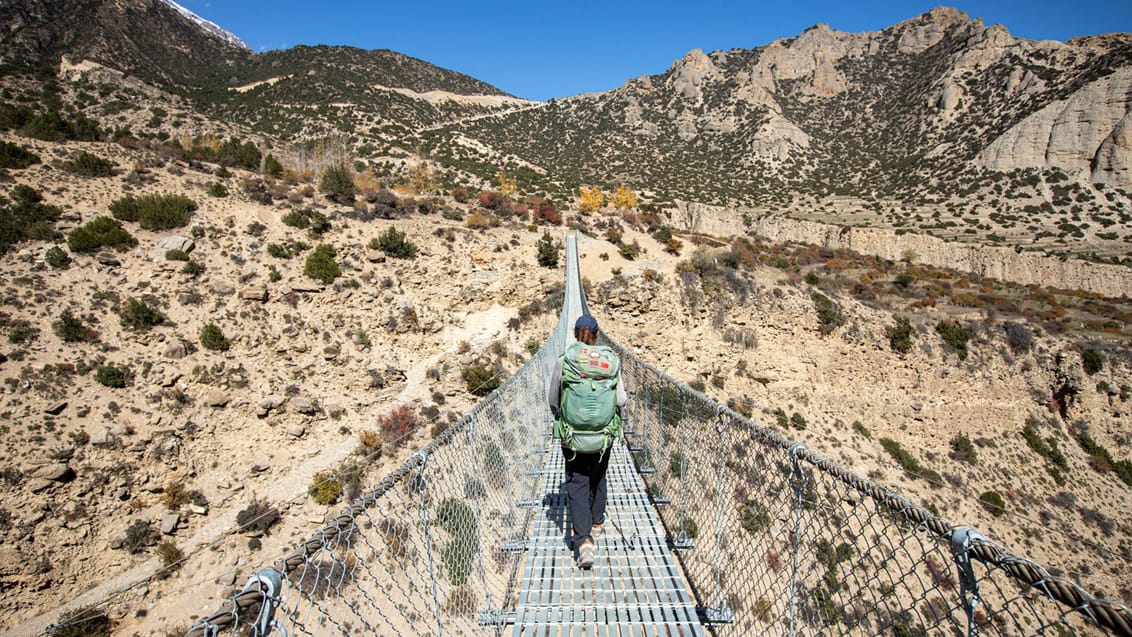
x,y
590,199
338,184
272,167
547,251
421,177
624,198
507,186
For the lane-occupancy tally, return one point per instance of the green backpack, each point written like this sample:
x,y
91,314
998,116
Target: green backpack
x,y
588,418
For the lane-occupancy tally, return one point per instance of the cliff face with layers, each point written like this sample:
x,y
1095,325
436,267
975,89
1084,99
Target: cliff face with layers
x,y
1007,264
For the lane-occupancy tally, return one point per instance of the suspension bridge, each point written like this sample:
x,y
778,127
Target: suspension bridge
x,y
715,526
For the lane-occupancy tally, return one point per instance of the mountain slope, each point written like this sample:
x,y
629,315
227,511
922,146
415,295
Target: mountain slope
x,y
146,38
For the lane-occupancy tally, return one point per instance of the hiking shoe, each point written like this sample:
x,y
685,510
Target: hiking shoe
x,y
596,529
586,556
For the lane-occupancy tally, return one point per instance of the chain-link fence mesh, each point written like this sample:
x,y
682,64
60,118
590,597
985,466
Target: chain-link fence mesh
x,y
422,553
773,539
791,543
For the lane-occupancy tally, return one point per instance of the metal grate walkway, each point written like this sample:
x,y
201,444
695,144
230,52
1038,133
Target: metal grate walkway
x,y
635,586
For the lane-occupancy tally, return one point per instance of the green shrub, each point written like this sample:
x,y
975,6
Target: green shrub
x,y
139,536
862,430
100,232
798,421
677,464
88,621
955,336
51,126
811,278
155,212
13,156
992,501
90,165
547,251
1101,460
193,268
320,264
258,517
1056,464
212,338
480,380
338,184
962,449
296,219
1092,360
900,335
494,465
754,517
325,488
909,463
71,329
217,189
26,218
21,331
458,519
57,258
394,244
171,558
176,254
137,315
272,167
829,315
286,251
112,376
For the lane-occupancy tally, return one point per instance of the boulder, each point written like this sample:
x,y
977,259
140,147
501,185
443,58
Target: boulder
x,y
57,408
184,244
223,288
265,406
36,485
216,398
257,293
100,437
297,430
169,523
303,405
176,349
56,472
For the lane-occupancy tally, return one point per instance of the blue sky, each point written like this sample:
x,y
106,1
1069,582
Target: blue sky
x,y
544,49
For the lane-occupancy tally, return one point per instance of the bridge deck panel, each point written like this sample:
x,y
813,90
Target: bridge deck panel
x,y
635,586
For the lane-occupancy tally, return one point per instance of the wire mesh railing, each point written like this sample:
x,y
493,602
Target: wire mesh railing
x,y
772,538
782,541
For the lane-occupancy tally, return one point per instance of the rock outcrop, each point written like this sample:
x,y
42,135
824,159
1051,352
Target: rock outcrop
x,y
1007,264
1087,134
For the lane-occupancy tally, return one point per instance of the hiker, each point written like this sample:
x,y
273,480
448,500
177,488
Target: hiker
x,y
586,395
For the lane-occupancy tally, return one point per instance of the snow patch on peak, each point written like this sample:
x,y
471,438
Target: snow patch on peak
x,y
210,27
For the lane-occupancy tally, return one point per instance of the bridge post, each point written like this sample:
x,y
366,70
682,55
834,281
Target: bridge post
x,y
419,483
799,478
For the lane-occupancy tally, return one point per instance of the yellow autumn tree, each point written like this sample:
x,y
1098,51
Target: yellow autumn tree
x,y
507,186
421,178
590,198
624,198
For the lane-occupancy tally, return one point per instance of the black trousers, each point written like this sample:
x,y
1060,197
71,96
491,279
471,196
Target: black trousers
x,y
586,489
